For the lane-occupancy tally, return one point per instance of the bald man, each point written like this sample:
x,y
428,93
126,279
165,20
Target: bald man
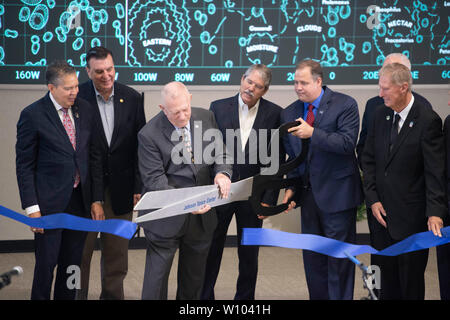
x,y
161,169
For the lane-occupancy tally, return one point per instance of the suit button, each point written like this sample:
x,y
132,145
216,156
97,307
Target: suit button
x,y
385,174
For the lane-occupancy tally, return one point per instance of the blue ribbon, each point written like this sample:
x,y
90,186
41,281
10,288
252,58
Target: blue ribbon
x,y
338,249
121,228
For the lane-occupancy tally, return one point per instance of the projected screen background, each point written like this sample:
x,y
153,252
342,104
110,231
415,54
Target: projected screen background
x,y
213,42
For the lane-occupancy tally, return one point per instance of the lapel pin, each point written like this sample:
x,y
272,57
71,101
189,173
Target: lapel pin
x,y
411,124
121,100
388,118
76,115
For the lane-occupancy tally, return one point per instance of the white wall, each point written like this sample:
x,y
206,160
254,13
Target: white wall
x,y
13,98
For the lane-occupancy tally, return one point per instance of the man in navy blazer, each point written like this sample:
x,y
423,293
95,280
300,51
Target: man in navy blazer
x,y
54,177
251,116
331,186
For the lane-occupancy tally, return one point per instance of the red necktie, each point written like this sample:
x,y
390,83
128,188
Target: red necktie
x,y
310,115
70,129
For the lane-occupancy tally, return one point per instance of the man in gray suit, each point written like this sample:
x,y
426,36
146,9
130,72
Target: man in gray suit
x,y
190,233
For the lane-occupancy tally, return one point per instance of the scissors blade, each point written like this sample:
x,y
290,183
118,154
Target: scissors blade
x,y
162,198
239,191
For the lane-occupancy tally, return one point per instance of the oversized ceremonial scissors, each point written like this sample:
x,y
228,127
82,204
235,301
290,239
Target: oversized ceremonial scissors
x,y
174,202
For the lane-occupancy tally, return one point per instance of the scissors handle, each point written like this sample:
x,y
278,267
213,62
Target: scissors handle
x,y
276,181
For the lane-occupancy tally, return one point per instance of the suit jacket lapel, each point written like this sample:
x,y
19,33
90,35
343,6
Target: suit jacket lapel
x,y
386,131
168,129
92,99
323,107
56,121
299,110
260,116
77,120
171,134
407,127
235,112
235,124
194,132
118,101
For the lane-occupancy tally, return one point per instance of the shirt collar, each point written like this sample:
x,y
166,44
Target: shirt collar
x,y
188,127
56,104
316,102
98,94
242,103
404,113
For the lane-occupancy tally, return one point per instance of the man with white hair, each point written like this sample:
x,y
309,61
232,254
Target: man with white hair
x,y
367,120
404,168
376,101
190,233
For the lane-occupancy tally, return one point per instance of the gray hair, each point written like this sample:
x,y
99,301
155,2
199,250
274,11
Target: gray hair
x,y
397,73
264,72
57,70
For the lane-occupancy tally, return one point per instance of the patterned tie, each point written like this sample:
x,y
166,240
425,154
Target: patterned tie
x,y
310,115
70,129
187,142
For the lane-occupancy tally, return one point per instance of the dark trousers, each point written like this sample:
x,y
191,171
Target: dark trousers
x,y
62,248
402,276
443,262
113,262
374,228
248,255
193,244
328,278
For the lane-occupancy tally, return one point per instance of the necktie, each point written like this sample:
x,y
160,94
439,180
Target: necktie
x,y
70,129
187,142
310,115
394,130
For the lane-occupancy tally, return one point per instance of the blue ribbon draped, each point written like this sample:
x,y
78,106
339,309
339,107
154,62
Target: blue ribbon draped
x,y
338,249
121,228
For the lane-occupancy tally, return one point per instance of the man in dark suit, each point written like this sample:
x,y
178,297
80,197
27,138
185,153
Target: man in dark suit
x,y
331,186
377,101
52,164
403,165
190,233
369,111
119,115
250,115
443,252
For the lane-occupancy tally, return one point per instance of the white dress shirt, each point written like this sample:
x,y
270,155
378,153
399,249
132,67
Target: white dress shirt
x,y
404,113
246,119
